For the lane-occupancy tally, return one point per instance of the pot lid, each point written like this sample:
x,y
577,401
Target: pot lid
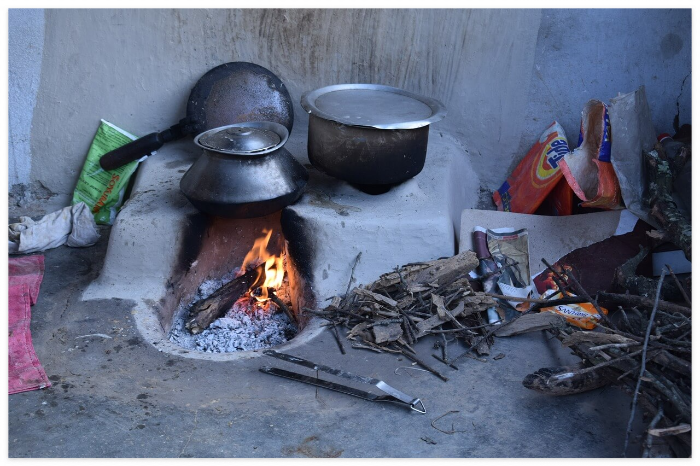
x,y
240,139
373,105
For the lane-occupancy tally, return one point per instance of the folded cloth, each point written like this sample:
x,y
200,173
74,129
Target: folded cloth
x,y
73,226
24,370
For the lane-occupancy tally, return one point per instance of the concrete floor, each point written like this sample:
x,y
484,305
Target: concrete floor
x,y
121,397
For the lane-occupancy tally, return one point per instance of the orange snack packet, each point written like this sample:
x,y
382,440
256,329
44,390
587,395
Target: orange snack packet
x,y
583,315
536,174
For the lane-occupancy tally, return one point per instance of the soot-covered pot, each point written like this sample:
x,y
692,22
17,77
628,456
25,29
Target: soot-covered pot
x,y
244,171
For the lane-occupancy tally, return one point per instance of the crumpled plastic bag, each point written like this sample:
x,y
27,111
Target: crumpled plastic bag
x,y
102,190
634,133
73,226
587,168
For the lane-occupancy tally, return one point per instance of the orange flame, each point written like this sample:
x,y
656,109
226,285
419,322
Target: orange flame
x,y
274,266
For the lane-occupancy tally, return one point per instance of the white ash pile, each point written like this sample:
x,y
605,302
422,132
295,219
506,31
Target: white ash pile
x,y
247,326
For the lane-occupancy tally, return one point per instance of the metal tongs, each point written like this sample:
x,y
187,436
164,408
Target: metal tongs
x,y
392,394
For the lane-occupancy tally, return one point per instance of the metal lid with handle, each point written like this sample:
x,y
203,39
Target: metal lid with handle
x,y
249,138
240,139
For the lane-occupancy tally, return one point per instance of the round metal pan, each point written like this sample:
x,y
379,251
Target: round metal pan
x,y
231,93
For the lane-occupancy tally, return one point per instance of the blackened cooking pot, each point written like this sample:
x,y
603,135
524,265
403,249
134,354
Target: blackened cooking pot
x,y
244,171
369,134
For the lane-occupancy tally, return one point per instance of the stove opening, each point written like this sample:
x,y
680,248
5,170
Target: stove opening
x,y
250,257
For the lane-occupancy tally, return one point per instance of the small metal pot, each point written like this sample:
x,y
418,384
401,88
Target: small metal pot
x,y
244,171
369,134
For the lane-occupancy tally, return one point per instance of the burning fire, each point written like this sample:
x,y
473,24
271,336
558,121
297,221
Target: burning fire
x,y
273,274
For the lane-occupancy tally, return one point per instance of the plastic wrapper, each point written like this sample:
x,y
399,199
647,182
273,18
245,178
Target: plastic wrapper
x,y
103,191
504,263
583,315
536,174
587,168
488,270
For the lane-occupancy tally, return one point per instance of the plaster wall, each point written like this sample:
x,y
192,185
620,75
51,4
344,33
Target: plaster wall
x,y
26,43
503,74
596,54
135,68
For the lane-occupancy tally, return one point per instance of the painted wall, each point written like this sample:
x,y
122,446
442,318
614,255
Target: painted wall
x,y
503,74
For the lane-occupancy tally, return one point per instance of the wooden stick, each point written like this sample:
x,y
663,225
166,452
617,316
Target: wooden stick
x,y
337,338
680,287
644,357
352,272
582,292
632,300
425,366
608,363
614,345
275,299
652,425
674,430
361,346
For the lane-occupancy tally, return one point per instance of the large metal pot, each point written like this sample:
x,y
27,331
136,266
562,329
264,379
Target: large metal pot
x,y
244,171
369,134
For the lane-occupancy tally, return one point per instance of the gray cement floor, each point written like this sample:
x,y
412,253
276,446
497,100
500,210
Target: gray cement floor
x,y
120,397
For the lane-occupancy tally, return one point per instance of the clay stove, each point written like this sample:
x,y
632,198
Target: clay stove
x,y
162,249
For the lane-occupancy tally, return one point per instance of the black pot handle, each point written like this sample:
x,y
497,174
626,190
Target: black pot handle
x,y
140,147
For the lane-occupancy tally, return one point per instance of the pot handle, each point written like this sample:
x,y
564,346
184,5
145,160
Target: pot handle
x,y
140,147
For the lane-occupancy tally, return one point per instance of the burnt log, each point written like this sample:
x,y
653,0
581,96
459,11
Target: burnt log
x,y
626,279
560,381
207,310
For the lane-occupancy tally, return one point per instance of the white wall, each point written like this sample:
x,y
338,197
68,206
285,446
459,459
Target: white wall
x,y
503,74
26,44
596,54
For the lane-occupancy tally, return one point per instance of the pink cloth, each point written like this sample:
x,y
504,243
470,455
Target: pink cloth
x,y
24,371
29,270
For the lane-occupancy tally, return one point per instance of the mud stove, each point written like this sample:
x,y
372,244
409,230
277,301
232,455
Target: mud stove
x,y
164,254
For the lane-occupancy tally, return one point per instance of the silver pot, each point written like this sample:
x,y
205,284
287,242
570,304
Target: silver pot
x,y
244,171
369,134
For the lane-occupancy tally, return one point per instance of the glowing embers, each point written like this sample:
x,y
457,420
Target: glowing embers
x,y
268,280
247,309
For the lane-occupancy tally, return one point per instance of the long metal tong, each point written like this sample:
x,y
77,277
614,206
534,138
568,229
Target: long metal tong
x,y
392,394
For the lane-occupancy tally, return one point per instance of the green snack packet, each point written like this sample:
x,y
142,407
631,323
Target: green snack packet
x,y
103,191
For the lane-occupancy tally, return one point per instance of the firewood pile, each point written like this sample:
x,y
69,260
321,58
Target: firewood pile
x,y
416,300
646,350
645,347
